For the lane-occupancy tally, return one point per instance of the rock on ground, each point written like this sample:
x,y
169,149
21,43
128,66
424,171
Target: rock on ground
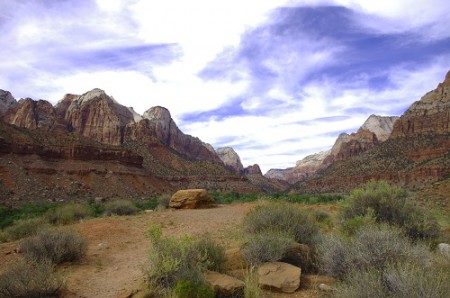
x,y
224,285
190,199
279,276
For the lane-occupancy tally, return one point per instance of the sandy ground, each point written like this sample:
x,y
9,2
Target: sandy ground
x,y
117,254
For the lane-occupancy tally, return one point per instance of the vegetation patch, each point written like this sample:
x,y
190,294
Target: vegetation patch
x,y
266,246
55,245
21,228
69,213
120,207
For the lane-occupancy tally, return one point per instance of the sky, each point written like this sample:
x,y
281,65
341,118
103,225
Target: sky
x,y
276,80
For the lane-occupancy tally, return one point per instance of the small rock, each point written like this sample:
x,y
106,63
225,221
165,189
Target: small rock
x,y
148,211
99,200
325,288
279,276
444,249
103,246
224,285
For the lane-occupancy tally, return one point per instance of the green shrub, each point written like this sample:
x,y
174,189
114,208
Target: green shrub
x,y
354,224
30,279
251,285
284,218
186,259
163,202
187,289
120,207
68,214
22,228
266,246
57,246
390,204
372,247
213,253
9,215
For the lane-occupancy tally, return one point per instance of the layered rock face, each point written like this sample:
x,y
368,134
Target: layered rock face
x,y
231,159
416,154
7,101
429,115
32,114
381,126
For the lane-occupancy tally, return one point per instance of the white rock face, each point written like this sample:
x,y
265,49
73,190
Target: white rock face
x,y
136,116
7,101
230,158
313,159
381,126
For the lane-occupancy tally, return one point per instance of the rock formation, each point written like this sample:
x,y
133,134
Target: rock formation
x,y
231,159
380,126
7,101
416,154
429,115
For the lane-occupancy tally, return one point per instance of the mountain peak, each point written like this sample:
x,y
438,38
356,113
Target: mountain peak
x,y
230,158
158,113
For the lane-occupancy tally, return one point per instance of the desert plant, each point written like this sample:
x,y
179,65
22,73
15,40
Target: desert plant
x,y
68,214
251,285
285,218
30,279
120,207
398,279
174,259
372,247
352,225
57,246
21,228
390,204
188,289
163,202
266,246
213,253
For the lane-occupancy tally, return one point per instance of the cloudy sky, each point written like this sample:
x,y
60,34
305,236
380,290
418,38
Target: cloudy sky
x,y
275,79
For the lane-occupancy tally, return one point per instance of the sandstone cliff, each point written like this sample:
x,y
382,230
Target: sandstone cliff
x,y
7,101
231,159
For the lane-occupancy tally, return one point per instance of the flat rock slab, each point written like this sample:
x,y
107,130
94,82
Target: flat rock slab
x,y
279,276
224,285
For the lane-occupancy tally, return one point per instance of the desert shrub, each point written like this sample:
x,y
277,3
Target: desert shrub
x,y
390,204
213,253
174,259
8,215
30,279
21,228
68,214
352,225
266,246
251,285
120,207
163,202
188,289
372,247
403,280
57,246
285,218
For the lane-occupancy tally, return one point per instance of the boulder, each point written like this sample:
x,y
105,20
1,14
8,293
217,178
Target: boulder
x,y
190,199
279,276
224,285
234,259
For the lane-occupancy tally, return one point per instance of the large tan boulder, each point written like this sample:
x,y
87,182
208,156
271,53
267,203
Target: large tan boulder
x,y
279,276
190,199
224,285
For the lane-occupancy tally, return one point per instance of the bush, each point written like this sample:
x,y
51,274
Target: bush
x,y
57,246
251,287
183,259
9,215
22,228
354,224
30,279
284,218
187,289
403,280
163,202
372,247
120,207
267,246
68,214
389,204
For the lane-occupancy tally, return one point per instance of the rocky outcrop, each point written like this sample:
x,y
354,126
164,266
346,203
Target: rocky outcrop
x,y
7,101
97,116
170,135
190,199
231,159
252,170
32,114
381,126
429,115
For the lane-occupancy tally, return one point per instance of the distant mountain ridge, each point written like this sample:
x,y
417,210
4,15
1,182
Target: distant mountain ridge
x,y
375,129
83,143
